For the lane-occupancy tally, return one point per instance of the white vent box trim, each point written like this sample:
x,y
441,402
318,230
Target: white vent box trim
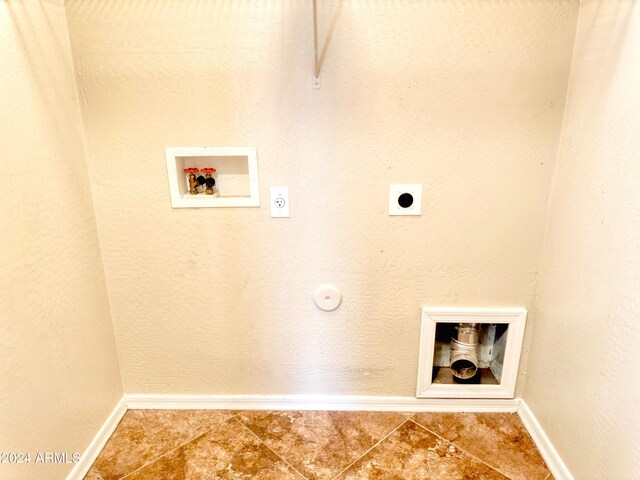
x,y
237,183
509,321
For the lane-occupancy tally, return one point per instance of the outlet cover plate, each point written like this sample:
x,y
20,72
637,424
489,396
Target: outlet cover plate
x,y
407,194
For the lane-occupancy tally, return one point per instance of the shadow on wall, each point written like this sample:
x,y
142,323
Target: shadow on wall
x,y
46,46
600,43
332,26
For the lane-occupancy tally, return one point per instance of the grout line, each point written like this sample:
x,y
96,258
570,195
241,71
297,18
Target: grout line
x,y
461,449
268,447
373,447
176,448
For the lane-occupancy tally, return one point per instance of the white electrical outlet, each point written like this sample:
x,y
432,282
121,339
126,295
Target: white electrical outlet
x,y
279,202
405,199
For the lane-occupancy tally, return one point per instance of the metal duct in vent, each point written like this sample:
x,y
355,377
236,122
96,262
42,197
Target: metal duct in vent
x,y
464,352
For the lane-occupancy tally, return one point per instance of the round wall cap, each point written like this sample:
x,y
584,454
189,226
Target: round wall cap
x,y
328,298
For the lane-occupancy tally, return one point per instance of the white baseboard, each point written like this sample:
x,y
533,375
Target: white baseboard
x,y
97,444
550,455
318,402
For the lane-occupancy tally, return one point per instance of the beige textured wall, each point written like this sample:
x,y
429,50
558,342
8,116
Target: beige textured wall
x,y
582,383
59,374
464,97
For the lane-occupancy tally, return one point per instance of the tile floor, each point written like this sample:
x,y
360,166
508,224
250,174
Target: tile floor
x,y
318,445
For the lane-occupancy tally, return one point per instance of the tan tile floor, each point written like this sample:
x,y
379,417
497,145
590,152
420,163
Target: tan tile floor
x,y
210,444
